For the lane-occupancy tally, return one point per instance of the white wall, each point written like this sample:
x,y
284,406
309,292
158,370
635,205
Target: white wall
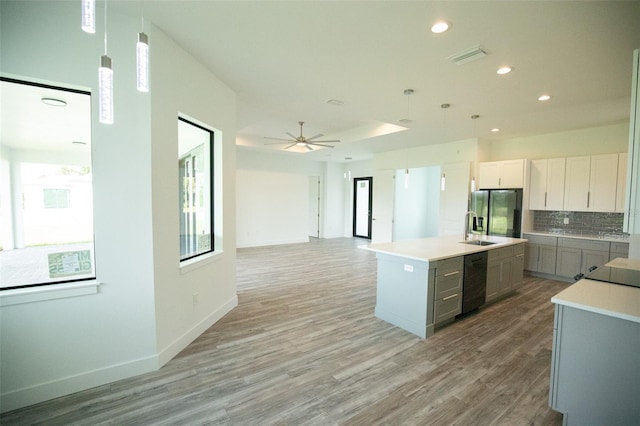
x,y
591,141
456,153
191,297
255,227
138,318
417,205
272,208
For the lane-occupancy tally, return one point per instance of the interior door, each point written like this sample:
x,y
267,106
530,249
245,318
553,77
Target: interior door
x,y
362,206
314,206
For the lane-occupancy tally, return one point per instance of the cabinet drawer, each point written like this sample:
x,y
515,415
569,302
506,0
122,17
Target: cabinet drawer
x,y
447,266
584,244
500,253
518,249
446,285
541,239
447,308
620,248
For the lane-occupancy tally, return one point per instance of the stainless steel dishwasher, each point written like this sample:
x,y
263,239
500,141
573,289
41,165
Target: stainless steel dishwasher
x,y
474,284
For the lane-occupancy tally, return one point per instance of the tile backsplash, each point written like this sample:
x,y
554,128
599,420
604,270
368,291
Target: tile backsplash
x,y
580,223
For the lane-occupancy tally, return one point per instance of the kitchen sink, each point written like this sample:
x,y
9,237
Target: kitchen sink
x,y
478,242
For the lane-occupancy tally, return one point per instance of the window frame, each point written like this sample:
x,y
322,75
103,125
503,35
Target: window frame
x,y
211,142
55,286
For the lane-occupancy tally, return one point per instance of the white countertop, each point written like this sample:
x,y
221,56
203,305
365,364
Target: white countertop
x,y
614,300
624,263
606,237
437,248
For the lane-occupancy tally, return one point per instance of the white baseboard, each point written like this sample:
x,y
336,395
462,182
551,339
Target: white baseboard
x,y
174,348
265,243
68,385
44,391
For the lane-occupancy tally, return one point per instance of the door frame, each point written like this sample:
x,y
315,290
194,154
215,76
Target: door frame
x,y
355,205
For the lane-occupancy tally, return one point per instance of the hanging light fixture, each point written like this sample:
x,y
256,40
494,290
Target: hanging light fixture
x,y
142,61
88,16
442,182
406,178
105,81
407,119
473,184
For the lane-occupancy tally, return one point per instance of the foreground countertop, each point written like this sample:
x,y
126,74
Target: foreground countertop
x,y
437,248
614,300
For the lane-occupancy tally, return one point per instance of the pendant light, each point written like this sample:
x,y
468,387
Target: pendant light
x,y
105,81
88,16
142,61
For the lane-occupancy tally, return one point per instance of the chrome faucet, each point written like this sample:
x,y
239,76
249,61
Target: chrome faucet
x,y
467,215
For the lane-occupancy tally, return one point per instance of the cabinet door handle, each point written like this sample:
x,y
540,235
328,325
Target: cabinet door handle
x,y
499,182
452,273
450,297
520,255
588,198
545,198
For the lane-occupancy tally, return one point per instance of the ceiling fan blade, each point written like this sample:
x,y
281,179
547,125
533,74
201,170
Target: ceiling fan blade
x,y
292,145
319,144
328,141
314,137
278,139
294,137
308,147
278,143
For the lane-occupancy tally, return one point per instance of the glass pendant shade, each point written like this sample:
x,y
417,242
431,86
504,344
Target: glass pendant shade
x,y
105,88
406,178
89,16
442,182
142,56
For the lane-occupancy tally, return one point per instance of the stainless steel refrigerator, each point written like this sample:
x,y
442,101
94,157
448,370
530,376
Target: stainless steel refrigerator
x,y
499,212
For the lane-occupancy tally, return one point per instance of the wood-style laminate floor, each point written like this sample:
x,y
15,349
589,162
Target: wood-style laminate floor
x,y
303,348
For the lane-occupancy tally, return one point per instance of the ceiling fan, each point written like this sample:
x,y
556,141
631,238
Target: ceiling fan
x,y
302,141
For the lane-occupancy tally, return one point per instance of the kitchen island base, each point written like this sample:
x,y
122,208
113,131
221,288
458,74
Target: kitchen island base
x,y
402,294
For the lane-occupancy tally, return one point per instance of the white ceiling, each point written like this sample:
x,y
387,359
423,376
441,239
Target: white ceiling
x,y
285,60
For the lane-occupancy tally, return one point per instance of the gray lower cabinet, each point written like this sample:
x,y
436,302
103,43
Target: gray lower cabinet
x,y
448,289
619,250
504,270
541,253
595,368
576,256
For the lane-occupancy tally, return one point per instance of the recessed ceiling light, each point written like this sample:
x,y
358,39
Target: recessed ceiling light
x,y
440,27
78,143
444,106
335,102
495,129
54,102
504,70
544,98
475,116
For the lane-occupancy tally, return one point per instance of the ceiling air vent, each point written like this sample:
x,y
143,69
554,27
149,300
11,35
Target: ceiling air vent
x,y
468,55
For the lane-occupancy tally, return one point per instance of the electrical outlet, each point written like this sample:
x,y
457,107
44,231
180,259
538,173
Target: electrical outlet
x,y
566,220
195,298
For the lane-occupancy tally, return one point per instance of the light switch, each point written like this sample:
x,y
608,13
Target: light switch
x,y
566,220
408,268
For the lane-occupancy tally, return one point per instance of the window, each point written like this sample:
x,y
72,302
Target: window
x,y
195,165
46,190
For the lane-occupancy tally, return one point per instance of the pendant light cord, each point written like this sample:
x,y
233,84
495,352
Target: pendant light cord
x,y
105,27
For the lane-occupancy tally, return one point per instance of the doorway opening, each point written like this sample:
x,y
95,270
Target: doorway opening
x,y
362,206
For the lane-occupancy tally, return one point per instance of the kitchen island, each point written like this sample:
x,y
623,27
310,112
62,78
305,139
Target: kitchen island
x,y
595,363
420,282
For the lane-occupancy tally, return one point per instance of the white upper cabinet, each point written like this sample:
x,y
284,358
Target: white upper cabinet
x,y
546,186
590,183
621,190
501,174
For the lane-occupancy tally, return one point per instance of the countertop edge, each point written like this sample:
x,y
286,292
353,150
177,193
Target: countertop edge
x,y
565,299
